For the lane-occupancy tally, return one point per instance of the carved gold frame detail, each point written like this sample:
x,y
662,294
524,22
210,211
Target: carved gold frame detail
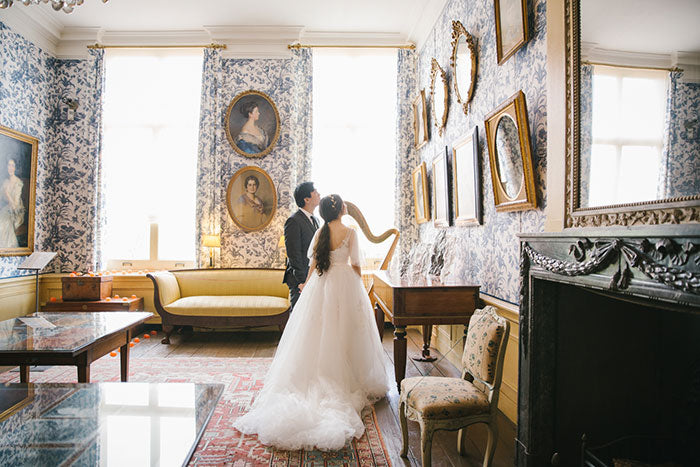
x,y
436,69
458,31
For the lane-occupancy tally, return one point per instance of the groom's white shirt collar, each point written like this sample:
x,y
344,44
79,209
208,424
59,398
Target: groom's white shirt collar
x,y
308,214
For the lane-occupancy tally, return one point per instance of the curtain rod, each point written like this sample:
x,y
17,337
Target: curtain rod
x,y
208,46
614,65
341,46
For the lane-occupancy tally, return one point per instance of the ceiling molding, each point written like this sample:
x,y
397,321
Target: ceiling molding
x,y
591,53
426,22
255,41
352,38
74,42
42,31
155,38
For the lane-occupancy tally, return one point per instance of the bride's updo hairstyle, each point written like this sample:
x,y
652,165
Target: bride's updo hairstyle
x,y
330,208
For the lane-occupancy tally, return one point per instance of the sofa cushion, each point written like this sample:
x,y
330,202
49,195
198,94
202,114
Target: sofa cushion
x,y
230,282
240,305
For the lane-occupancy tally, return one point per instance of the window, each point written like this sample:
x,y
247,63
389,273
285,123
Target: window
x,y
151,128
626,140
354,134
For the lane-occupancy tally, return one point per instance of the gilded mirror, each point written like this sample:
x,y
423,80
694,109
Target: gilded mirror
x,y
634,100
508,138
463,63
438,96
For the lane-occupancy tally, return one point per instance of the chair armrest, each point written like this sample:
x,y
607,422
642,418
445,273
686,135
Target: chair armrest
x,y
165,287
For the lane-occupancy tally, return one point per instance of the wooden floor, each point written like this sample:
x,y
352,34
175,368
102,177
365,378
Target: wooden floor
x,y
263,344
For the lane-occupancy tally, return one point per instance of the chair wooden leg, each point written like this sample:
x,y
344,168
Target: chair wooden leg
x,y
404,429
167,329
492,428
462,441
426,442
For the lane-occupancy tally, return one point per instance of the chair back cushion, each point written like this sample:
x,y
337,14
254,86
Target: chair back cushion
x,y
484,338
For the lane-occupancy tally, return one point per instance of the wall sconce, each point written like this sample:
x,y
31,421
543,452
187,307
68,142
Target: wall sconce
x,y
69,108
211,241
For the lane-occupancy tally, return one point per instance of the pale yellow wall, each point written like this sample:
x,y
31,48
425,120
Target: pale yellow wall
x,y
444,337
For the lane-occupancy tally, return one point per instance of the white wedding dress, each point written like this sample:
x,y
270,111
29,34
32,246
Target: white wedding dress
x,y
329,363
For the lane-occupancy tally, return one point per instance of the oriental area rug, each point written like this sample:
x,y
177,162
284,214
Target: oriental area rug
x,y
221,444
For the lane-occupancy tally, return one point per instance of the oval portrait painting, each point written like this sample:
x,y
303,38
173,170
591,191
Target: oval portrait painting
x,y
252,124
251,198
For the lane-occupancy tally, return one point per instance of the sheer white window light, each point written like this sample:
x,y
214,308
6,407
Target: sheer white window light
x,y
150,122
354,133
625,138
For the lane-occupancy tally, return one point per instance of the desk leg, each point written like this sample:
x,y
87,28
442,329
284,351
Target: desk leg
x,y
84,373
399,354
24,373
379,317
124,357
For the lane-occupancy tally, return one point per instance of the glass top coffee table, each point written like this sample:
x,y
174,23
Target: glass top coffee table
x,y
130,424
67,339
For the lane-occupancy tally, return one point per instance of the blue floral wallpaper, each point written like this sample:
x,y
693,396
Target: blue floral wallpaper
x,y
681,171
288,83
33,89
488,254
27,104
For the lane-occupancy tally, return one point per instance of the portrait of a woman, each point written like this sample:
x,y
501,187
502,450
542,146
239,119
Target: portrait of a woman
x,y
252,139
252,124
12,208
249,209
251,198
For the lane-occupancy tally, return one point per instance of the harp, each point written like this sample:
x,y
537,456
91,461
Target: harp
x,y
355,213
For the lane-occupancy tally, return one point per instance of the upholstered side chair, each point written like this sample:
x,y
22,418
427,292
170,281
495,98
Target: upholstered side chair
x,y
442,403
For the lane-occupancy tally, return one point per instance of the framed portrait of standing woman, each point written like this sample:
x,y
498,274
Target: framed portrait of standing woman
x,y
251,199
18,159
252,124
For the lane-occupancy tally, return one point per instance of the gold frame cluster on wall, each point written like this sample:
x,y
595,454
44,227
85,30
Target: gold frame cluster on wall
x,y
252,124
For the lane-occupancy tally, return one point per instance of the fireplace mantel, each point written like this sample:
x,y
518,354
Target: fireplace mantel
x,y
655,267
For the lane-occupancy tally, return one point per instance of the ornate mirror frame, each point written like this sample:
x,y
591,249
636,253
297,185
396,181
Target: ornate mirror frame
x,y
665,211
526,198
435,70
458,31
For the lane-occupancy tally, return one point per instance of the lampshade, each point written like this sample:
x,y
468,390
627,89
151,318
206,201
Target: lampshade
x,y
211,241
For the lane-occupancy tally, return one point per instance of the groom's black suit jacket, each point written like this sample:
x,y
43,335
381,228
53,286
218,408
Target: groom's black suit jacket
x,y
298,233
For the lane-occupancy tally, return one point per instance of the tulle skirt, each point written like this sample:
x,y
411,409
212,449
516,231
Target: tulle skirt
x,y
328,366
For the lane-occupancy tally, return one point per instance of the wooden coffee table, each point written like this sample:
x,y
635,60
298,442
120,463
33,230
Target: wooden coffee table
x,y
67,339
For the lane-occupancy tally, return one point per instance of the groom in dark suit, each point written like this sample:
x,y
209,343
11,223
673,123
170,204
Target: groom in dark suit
x,y
298,232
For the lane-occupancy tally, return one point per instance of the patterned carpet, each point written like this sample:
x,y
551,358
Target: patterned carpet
x,y
221,444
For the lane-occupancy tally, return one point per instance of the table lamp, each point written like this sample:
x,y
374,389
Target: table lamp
x,y
211,241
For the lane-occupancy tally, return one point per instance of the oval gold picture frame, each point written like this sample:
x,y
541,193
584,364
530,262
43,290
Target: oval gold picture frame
x,y
440,120
245,213
266,124
464,96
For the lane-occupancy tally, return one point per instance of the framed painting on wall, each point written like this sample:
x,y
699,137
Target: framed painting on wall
x,y
420,121
18,159
441,193
252,124
420,193
466,178
511,27
251,199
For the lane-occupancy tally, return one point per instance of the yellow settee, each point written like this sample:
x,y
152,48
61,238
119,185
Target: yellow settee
x,y
215,298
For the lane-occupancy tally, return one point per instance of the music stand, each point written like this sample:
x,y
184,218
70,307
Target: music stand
x,y
36,262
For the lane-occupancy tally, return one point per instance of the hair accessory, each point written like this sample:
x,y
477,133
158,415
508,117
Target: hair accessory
x,y
334,202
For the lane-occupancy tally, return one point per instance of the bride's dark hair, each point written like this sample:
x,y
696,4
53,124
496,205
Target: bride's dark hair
x,y
330,208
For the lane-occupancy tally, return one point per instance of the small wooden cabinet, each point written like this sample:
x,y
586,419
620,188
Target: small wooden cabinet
x,y
130,304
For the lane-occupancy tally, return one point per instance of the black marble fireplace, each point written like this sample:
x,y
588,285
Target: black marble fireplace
x,y
610,346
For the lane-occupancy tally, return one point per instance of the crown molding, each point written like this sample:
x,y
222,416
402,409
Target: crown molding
x,y
352,38
426,22
38,28
591,53
255,41
689,62
74,42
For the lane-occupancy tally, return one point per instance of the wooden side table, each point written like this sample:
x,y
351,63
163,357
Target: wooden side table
x,y
130,304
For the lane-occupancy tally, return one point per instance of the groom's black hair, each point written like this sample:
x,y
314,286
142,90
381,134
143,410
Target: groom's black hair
x,y
303,191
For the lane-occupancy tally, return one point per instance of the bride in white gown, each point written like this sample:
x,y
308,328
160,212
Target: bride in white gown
x,y
329,363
